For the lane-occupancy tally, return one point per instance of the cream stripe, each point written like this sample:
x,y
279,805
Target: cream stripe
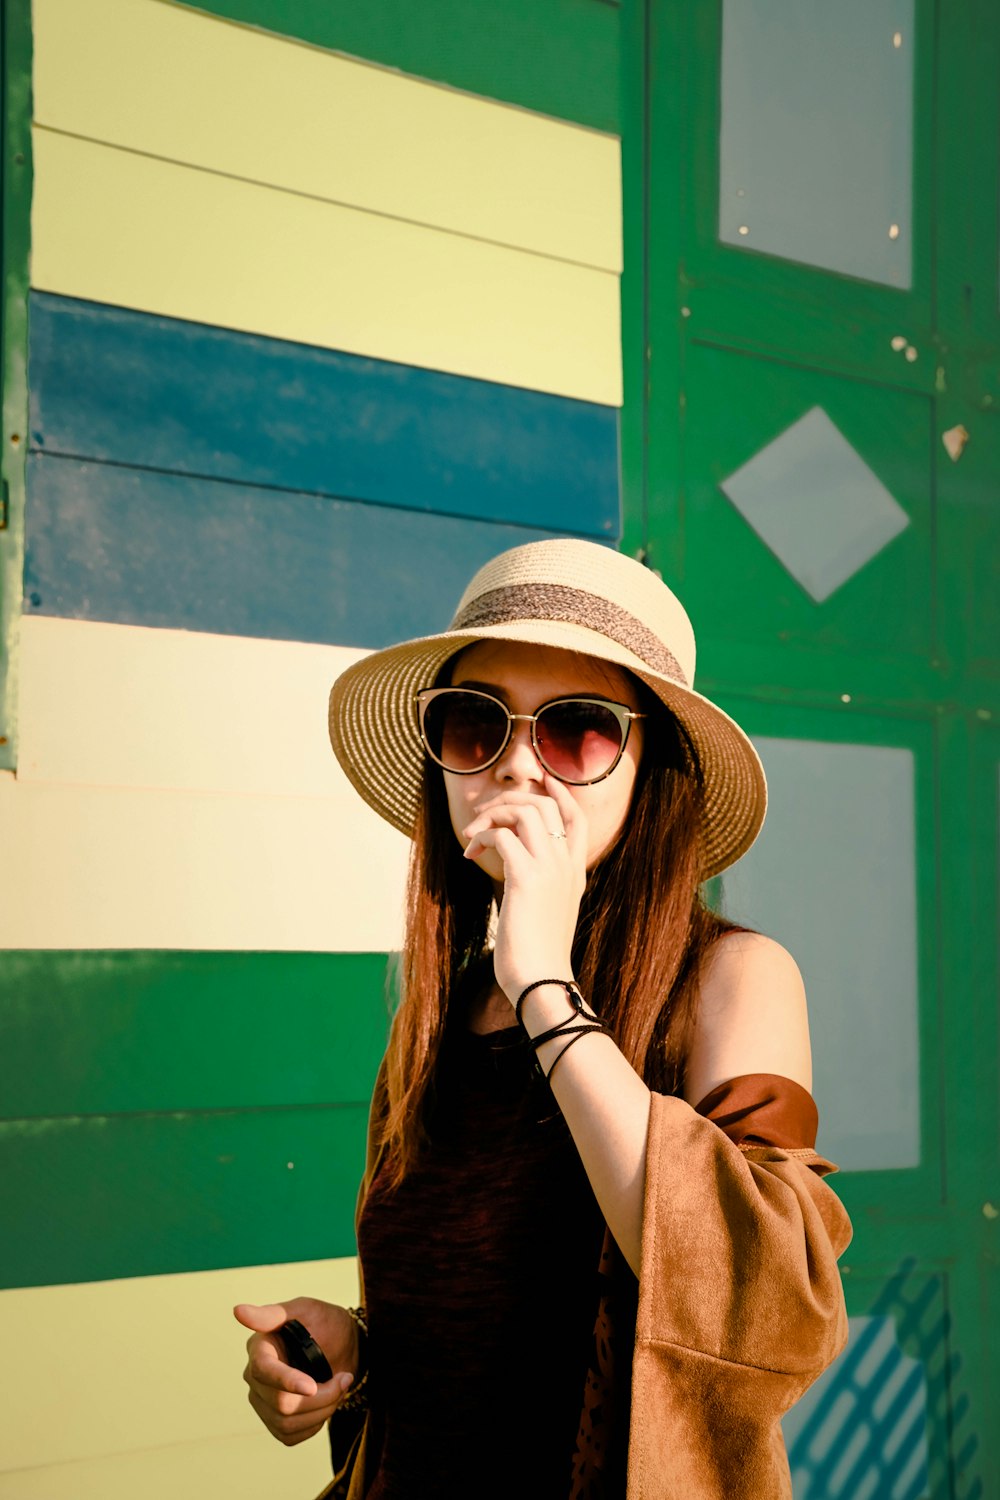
x,y
130,868
122,705
115,227
251,1467
272,110
113,1368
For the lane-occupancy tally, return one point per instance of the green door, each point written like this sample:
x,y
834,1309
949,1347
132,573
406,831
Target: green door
x,y
812,455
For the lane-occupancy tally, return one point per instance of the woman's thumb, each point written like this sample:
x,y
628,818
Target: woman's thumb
x,y
263,1319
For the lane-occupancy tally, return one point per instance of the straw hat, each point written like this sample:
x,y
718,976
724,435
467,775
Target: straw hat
x,y
582,597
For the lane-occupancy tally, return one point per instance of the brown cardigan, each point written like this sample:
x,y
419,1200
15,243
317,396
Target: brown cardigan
x,y
741,1306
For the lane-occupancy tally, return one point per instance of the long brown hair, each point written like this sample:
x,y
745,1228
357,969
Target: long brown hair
x,y
642,936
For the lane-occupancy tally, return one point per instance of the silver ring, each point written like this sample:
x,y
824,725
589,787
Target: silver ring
x,y
554,835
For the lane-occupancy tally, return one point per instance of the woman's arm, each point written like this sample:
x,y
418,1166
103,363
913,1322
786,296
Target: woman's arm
x,y
752,1019
752,1014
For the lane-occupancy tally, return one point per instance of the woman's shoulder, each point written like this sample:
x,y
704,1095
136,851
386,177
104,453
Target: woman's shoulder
x,y
742,951
751,1017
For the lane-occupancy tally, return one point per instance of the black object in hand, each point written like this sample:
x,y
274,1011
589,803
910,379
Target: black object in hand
x,y
302,1351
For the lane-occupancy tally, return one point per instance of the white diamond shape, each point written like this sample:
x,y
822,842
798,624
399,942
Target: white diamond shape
x,y
815,502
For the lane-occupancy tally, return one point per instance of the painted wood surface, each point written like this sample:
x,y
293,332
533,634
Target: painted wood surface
x,y
160,393
189,88
113,226
131,1032
557,56
117,1405
128,706
143,548
254,1465
137,868
101,1196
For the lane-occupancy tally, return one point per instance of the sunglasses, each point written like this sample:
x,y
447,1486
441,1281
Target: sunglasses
x,y
578,740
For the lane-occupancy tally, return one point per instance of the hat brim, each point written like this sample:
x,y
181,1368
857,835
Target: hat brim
x,y
376,738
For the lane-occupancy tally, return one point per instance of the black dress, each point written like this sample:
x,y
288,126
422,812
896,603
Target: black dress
x,y
481,1286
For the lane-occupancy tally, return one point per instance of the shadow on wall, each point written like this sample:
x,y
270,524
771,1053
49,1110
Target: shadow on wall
x,y
862,1431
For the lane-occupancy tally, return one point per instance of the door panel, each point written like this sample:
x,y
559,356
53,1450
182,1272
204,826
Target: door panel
x,y
816,468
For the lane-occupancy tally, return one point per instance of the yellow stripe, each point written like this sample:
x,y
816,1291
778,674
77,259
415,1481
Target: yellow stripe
x,y
121,867
115,227
140,1384
128,706
275,111
252,1467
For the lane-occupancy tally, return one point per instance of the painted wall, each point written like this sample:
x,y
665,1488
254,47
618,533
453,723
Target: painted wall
x,y
320,319
309,339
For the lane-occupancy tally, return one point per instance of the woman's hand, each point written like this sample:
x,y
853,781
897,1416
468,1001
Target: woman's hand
x,y
291,1405
542,840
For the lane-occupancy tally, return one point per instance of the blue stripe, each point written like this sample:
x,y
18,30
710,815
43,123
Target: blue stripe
x,y
129,388
141,548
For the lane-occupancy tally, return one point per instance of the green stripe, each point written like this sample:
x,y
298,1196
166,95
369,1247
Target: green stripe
x,y
15,200
127,1031
556,56
136,1195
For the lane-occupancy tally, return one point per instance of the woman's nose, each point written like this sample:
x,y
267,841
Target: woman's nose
x,y
519,761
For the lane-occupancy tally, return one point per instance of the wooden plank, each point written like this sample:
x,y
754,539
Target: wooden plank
x,y
96,1325
144,1031
112,226
102,867
269,110
141,548
15,244
140,1195
255,1465
557,56
130,388
127,706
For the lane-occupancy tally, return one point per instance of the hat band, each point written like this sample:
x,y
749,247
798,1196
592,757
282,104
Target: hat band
x,y
557,601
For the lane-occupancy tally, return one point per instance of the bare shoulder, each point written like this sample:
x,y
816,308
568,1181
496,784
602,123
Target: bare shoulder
x,y
752,1015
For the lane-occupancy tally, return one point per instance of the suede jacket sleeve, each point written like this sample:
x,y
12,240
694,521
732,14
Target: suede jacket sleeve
x,y
741,1305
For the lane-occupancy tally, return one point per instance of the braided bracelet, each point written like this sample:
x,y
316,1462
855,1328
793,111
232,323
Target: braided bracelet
x,y
357,1396
580,1031
569,985
565,1029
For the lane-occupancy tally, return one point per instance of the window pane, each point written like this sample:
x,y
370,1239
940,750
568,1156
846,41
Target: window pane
x,y
816,146
832,877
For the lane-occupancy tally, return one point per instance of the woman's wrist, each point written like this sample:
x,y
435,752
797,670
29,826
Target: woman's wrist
x,y
357,1395
554,971
558,1021
564,986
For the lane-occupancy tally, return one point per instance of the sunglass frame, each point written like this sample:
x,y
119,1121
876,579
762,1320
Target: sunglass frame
x,y
621,712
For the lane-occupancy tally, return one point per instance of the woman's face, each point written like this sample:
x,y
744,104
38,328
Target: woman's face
x,y
524,677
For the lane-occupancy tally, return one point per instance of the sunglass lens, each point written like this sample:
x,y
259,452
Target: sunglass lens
x,y
579,742
463,730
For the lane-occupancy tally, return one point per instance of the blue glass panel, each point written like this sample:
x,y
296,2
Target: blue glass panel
x,y
832,877
815,502
816,145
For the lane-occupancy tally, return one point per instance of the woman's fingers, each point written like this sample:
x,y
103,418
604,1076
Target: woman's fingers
x,y
290,1428
539,826
516,858
267,1371
574,820
262,1318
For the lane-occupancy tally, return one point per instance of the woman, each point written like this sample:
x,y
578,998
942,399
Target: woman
x,y
599,1258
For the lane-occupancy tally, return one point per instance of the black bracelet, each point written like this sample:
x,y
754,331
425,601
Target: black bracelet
x,y
569,985
580,1031
565,1029
357,1396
